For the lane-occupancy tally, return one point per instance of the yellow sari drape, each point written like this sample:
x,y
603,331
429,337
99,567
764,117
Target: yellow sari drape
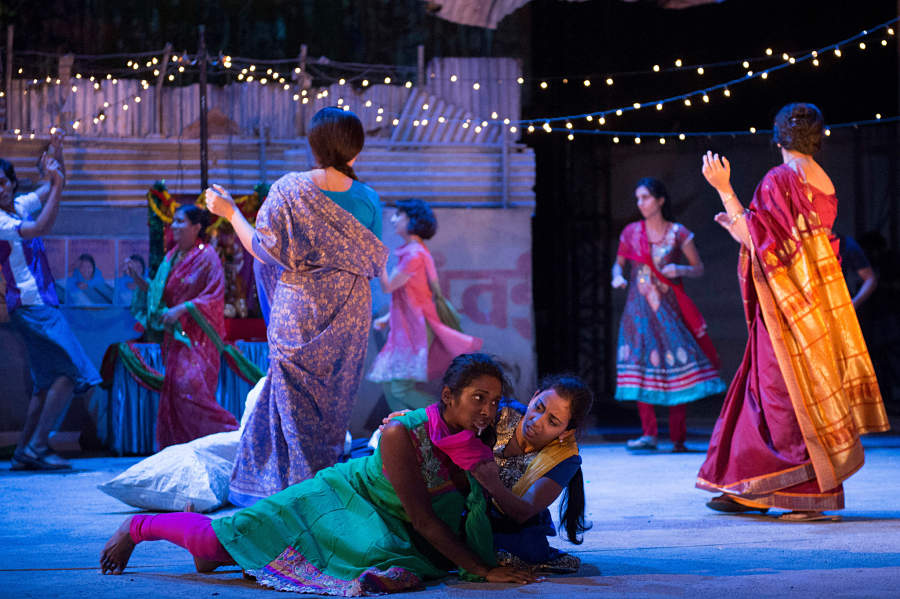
x,y
816,337
546,460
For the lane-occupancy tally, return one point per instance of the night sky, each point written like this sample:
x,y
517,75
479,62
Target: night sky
x,y
601,37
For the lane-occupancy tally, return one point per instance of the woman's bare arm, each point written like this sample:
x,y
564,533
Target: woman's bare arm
x,y
539,497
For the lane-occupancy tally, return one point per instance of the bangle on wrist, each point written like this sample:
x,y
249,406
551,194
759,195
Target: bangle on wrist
x,y
737,217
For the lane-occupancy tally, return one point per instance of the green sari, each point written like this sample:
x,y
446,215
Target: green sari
x,y
345,532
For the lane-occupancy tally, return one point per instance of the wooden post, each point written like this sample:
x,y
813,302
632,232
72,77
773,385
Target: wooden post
x,y
204,126
7,89
504,167
163,66
420,66
304,81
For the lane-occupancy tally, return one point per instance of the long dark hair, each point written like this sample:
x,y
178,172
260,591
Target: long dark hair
x,y
466,368
572,503
658,190
336,137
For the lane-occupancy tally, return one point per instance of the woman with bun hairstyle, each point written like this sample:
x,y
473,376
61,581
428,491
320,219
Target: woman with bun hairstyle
x,y
321,250
180,307
788,433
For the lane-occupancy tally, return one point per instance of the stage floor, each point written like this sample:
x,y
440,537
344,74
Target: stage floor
x,y
652,537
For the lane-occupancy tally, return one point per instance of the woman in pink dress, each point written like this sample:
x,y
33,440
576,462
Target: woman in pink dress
x,y
419,346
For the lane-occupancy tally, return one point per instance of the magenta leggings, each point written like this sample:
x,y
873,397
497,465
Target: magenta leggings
x,y
192,531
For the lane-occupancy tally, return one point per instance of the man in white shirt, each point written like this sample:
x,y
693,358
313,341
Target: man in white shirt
x,y
58,363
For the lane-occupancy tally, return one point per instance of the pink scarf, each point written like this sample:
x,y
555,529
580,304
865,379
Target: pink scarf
x,y
464,448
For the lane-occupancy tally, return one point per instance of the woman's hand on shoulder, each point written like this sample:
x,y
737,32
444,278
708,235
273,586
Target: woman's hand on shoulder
x,y
510,574
619,282
173,314
391,416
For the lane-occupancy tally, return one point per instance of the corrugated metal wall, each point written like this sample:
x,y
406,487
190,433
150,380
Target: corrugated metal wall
x,y
449,92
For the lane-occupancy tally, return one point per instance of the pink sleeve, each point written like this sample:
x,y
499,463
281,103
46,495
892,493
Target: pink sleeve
x,y
682,236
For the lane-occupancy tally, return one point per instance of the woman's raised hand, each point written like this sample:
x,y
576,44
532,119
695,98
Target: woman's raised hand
x,y
717,171
219,201
618,282
510,574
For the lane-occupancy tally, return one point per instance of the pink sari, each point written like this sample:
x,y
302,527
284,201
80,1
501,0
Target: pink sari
x,y
187,404
419,346
788,434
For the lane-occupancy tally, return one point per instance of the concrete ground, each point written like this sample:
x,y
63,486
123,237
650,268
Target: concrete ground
x,y
652,537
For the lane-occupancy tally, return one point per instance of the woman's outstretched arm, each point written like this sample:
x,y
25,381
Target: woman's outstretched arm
x,y
717,172
538,498
220,203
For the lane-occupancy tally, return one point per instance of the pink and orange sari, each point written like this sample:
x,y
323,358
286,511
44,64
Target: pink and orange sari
x,y
788,434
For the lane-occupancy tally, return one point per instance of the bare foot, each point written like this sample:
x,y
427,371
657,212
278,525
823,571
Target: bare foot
x,y
117,551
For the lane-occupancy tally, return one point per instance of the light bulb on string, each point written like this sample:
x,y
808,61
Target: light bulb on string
x,y
700,70
609,81
520,81
365,83
478,129
531,128
568,125
571,137
589,118
476,86
827,132
619,112
837,52
615,139
512,129
543,85
745,64
768,51
681,136
752,129
494,115
602,120
764,74
387,80
659,106
408,84
636,105
656,68
687,101
862,45
637,140
587,82
678,62
662,140
453,78
815,62
706,98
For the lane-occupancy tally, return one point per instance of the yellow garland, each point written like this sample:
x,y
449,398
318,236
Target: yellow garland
x,y
200,203
151,201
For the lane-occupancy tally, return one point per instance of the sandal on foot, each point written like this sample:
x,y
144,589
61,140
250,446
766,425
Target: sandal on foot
x,y
725,503
808,517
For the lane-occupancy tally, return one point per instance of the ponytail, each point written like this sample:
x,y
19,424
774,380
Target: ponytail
x,y
571,509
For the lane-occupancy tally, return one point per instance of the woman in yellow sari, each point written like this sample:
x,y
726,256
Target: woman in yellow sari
x,y
535,461
788,433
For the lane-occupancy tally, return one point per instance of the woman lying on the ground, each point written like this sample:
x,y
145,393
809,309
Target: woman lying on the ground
x,y
382,523
537,459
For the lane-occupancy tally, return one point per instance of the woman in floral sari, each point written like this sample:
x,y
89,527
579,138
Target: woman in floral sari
x,y
788,433
186,300
379,524
320,312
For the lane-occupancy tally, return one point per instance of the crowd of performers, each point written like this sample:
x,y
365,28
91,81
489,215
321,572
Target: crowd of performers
x,y
463,483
